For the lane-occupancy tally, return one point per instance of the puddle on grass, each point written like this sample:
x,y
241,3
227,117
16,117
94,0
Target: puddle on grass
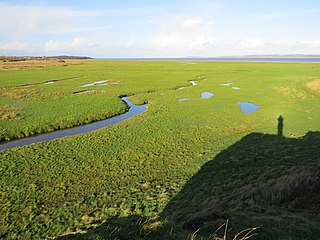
x,y
89,91
193,83
248,107
180,88
97,83
206,95
183,99
49,82
226,84
83,92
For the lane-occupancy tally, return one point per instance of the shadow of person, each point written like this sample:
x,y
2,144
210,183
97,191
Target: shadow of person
x,y
260,181
280,126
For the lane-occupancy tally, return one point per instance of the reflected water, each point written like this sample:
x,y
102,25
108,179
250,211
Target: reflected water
x,y
248,107
50,82
97,83
207,95
226,84
83,92
183,99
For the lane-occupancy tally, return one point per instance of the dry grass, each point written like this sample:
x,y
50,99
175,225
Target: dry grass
x,y
18,93
314,85
7,108
290,92
9,115
9,112
32,64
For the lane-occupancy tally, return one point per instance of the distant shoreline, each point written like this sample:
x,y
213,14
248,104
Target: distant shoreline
x,y
273,56
24,58
247,58
221,59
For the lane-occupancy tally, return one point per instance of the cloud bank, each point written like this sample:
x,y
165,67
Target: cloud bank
x,y
150,32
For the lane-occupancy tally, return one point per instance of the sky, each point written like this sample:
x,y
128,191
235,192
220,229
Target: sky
x,y
159,28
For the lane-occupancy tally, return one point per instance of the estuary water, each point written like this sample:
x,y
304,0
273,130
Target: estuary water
x,y
133,111
222,59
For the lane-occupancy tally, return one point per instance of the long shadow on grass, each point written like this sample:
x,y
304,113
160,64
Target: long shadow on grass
x,y
263,180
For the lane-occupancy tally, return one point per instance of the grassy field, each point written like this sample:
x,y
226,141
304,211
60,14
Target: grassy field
x,y
151,176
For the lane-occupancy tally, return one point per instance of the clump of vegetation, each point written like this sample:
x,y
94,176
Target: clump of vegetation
x,y
9,112
314,85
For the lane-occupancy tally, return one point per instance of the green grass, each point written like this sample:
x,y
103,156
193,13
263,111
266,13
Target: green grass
x,y
156,165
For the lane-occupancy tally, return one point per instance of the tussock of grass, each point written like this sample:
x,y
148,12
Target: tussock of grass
x,y
291,92
9,112
18,93
8,115
11,108
314,85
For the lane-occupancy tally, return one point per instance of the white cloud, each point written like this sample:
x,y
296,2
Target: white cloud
x,y
101,46
252,43
24,20
131,43
75,45
181,36
297,46
264,46
268,16
179,33
14,46
191,23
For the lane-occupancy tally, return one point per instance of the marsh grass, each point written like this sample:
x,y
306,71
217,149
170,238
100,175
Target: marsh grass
x,y
158,163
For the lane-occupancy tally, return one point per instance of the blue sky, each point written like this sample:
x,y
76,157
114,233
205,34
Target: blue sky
x,y
166,28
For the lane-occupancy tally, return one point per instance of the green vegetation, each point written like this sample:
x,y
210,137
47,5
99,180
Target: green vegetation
x,y
150,176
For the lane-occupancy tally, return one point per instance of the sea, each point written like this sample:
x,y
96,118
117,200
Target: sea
x,y
297,60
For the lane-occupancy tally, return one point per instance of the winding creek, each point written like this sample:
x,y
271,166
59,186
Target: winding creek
x,y
246,108
133,111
